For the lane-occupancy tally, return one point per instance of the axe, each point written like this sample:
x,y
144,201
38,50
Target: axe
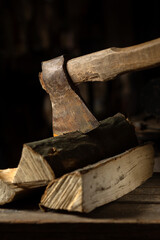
x,y
59,78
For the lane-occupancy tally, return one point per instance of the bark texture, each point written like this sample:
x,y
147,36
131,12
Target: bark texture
x,y
53,157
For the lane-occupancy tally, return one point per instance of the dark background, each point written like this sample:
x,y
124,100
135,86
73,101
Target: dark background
x,y
38,30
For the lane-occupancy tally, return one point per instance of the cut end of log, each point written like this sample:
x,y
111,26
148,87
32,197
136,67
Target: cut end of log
x,y
7,189
7,194
100,183
7,175
64,193
32,168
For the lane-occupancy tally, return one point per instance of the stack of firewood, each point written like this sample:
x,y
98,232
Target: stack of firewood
x,y
81,171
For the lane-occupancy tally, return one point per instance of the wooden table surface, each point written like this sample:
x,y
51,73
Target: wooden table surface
x,y
134,216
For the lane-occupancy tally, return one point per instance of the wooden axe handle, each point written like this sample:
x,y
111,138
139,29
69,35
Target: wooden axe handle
x,y
107,64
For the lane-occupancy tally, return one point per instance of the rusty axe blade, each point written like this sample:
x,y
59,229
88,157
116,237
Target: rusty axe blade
x,y
69,113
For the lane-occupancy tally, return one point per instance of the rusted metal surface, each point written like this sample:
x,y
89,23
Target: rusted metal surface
x,y
69,113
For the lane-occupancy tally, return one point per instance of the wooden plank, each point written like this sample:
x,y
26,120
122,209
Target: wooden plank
x,y
150,188
79,231
128,213
143,198
114,212
154,181
149,192
116,220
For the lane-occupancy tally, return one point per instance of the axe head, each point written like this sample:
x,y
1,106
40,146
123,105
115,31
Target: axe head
x,y
69,113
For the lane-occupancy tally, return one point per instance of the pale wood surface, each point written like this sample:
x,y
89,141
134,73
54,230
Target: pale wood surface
x,y
100,183
107,64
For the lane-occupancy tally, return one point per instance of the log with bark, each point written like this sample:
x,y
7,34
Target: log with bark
x,y
45,160
85,189
50,158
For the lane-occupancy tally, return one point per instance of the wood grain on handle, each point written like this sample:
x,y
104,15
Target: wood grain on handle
x,y
107,64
